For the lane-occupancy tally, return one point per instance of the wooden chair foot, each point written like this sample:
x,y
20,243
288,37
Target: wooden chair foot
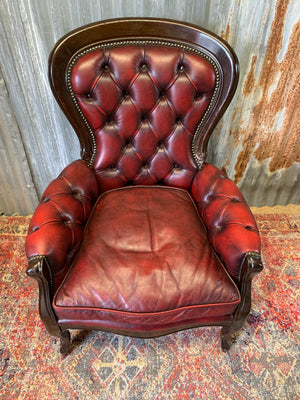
x,y
226,341
65,342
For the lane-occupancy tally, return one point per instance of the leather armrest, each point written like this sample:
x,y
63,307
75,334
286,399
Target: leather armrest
x,y
231,227
55,229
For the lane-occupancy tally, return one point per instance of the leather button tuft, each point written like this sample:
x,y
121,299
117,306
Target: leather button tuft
x,y
66,221
144,67
181,67
106,67
208,199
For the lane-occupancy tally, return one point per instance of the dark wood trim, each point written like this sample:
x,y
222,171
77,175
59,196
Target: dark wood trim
x,y
144,29
251,266
150,334
40,270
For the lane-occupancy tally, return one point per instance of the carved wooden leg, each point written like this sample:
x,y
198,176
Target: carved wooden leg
x,y
226,338
228,331
64,336
251,266
65,342
40,270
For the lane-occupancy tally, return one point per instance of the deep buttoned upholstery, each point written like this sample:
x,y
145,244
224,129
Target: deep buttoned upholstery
x,y
143,104
142,236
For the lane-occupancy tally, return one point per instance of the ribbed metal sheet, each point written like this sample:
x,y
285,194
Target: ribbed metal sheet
x,y
256,142
17,190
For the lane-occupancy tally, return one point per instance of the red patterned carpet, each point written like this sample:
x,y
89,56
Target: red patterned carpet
x,y
263,364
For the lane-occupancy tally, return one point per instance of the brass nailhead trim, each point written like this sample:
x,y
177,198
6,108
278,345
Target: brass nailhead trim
x,y
199,158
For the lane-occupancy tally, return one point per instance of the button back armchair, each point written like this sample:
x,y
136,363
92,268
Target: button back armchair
x,y
141,236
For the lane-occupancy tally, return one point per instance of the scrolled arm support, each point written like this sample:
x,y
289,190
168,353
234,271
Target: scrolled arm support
x,y
251,266
40,270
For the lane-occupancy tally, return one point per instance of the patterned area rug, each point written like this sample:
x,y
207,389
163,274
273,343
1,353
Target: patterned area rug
x,y
262,364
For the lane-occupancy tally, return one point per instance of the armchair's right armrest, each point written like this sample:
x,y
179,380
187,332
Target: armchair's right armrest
x,y
56,227
231,227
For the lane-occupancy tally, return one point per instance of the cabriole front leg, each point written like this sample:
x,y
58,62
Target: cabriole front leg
x,y
40,270
251,265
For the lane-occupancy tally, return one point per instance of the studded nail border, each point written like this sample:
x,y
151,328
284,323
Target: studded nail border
x,y
199,158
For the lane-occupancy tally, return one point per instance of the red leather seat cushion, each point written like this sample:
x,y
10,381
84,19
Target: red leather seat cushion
x,y
145,262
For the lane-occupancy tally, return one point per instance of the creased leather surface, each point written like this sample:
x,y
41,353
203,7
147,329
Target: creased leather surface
x,y
145,259
143,103
232,229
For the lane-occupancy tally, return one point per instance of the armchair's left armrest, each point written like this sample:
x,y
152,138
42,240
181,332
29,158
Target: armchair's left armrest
x,y
231,227
55,229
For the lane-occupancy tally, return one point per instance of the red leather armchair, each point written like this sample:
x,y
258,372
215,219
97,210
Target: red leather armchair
x,y
141,236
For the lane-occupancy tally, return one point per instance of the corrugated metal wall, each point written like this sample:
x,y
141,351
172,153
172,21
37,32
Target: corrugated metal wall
x,y
256,142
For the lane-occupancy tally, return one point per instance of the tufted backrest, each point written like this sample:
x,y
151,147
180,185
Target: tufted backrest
x,y
145,105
